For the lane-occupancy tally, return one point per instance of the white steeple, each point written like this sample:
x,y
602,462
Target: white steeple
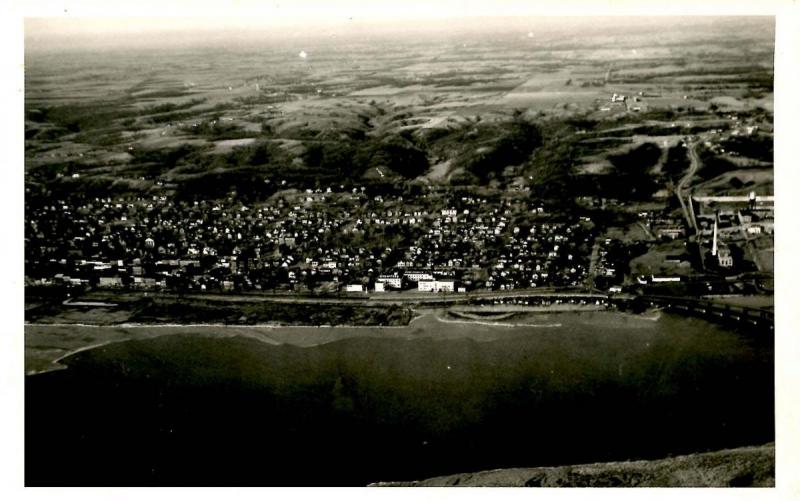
x,y
714,244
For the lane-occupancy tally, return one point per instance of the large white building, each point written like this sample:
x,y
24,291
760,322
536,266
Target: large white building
x,y
416,276
391,281
436,286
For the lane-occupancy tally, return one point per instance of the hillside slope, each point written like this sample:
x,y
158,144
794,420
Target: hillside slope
x,y
741,467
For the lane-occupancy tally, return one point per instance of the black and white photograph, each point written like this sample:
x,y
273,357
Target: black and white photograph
x,y
397,245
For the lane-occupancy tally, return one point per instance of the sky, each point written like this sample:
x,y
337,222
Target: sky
x,y
92,17
99,33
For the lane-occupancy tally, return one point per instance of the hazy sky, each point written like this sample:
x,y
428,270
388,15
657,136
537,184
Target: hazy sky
x,y
50,24
135,33
65,15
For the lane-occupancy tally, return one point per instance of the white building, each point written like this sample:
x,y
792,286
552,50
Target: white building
x,y
355,288
391,281
724,257
436,286
656,279
416,276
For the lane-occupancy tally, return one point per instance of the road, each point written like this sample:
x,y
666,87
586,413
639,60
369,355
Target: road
x,y
592,264
686,205
375,299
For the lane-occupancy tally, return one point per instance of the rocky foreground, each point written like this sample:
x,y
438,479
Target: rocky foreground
x,y
742,467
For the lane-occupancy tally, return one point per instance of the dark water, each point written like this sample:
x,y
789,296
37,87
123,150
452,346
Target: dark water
x,y
182,410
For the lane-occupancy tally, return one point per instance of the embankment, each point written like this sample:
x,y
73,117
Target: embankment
x,y
741,467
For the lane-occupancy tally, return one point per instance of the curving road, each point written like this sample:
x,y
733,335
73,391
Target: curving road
x,y
686,204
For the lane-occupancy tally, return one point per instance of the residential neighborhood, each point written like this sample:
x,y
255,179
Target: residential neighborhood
x,y
339,241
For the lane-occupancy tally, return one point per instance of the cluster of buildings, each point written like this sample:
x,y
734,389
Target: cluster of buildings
x,y
621,102
314,239
664,224
733,221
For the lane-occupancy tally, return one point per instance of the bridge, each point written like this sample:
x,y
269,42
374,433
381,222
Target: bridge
x,y
757,318
743,315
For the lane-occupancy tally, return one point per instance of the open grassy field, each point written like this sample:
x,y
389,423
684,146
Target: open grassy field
x,y
653,262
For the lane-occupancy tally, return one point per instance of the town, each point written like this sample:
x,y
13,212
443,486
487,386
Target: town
x,y
345,241
327,240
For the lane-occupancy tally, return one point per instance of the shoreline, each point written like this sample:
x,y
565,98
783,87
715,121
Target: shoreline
x,y
47,344
426,311
494,324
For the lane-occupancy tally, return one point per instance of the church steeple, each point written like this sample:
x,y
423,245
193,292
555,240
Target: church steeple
x,y
714,243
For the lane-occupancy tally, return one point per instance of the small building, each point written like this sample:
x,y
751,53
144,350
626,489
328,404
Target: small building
x,y
654,279
354,288
110,282
676,258
724,257
670,232
144,282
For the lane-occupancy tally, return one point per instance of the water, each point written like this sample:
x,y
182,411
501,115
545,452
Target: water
x,y
394,404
